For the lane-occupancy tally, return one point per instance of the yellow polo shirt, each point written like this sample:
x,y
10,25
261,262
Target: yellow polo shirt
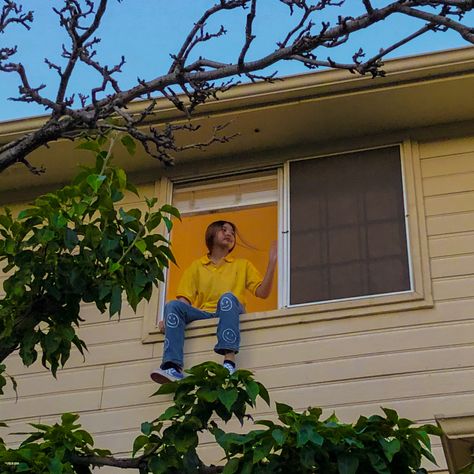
x,y
203,283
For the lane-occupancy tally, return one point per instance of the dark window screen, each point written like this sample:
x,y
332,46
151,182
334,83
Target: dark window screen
x,y
347,226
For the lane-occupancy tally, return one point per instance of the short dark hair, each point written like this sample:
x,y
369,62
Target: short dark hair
x,y
212,230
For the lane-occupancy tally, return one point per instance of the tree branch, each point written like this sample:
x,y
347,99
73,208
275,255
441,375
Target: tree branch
x,y
129,463
204,78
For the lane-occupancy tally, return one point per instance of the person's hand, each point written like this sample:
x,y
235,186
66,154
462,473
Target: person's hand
x,y
161,326
273,253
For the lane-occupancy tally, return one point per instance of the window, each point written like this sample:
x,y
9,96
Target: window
x,y
347,227
249,202
350,227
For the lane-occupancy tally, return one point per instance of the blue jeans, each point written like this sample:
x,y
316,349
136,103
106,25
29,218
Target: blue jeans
x,y
178,314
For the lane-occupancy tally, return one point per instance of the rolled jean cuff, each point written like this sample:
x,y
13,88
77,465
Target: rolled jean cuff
x,y
224,350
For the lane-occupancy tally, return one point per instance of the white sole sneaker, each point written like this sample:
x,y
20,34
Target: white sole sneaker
x,y
165,376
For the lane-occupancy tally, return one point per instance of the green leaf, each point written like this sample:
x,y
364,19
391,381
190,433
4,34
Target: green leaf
x,y
167,388
428,455
113,267
141,245
279,436
122,177
157,465
171,210
167,251
262,451
132,188
231,467
347,464
146,428
391,415
95,180
115,300
307,433
55,466
45,235
282,409
89,145
252,389
150,202
207,394
228,397
423,436
169,413
69,418
126,218
168,222
129,143
390,448
378,463
263,392
139,443
27,213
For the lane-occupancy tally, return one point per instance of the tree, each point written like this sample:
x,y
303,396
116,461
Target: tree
x,y
77,245
200,80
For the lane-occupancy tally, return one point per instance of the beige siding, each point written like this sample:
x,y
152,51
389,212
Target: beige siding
x,y
420,362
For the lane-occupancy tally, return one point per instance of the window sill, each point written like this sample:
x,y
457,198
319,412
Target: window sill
x,y
307,314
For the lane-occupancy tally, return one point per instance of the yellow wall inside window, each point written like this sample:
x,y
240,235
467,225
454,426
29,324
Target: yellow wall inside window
x,y
257,225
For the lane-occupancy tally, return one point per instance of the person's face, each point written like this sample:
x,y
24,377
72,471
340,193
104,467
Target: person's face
x,y
225,237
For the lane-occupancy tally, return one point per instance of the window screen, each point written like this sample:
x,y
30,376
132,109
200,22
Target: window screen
x,y
347,227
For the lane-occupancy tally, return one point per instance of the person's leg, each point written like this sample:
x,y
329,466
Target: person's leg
x,y
228,311
177,315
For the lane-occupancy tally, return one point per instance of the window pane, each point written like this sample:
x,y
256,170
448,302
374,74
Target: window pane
x,y
347,227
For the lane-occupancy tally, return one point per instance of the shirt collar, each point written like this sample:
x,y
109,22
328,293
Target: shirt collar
x,y
205,260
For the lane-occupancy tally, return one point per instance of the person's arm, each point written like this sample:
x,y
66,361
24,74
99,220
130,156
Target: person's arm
x,y
263,291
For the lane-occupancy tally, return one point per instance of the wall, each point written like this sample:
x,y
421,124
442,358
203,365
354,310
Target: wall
x,y
419,362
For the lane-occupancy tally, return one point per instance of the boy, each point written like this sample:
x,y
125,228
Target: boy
x,y
212,287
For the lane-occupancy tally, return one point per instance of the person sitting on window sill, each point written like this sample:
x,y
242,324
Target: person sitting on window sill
x,y
214,286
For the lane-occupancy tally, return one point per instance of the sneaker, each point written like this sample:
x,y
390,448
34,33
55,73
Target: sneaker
x,y
229,367
166,376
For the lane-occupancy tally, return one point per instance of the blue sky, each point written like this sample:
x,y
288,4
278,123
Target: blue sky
x,y
147,31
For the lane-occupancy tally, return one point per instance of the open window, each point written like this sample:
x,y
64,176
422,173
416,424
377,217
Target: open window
x,y
251,203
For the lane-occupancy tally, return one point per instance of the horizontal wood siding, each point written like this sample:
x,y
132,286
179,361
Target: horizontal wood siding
x,y
420,362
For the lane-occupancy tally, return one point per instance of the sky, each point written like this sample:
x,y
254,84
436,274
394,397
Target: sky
x,y
146,32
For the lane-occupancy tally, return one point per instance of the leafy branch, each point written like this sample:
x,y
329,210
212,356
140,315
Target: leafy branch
x,y
72,246
298,442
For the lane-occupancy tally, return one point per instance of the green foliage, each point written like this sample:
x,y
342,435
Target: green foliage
x,y
207,391
299,442
374,445
76,245
50,449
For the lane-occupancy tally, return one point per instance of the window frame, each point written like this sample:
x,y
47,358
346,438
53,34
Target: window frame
x,y
419,297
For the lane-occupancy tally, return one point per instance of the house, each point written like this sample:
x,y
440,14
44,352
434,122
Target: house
x,y
368,187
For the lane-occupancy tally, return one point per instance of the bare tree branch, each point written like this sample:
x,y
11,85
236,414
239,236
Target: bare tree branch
x,y
130,463
202,79
13,13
